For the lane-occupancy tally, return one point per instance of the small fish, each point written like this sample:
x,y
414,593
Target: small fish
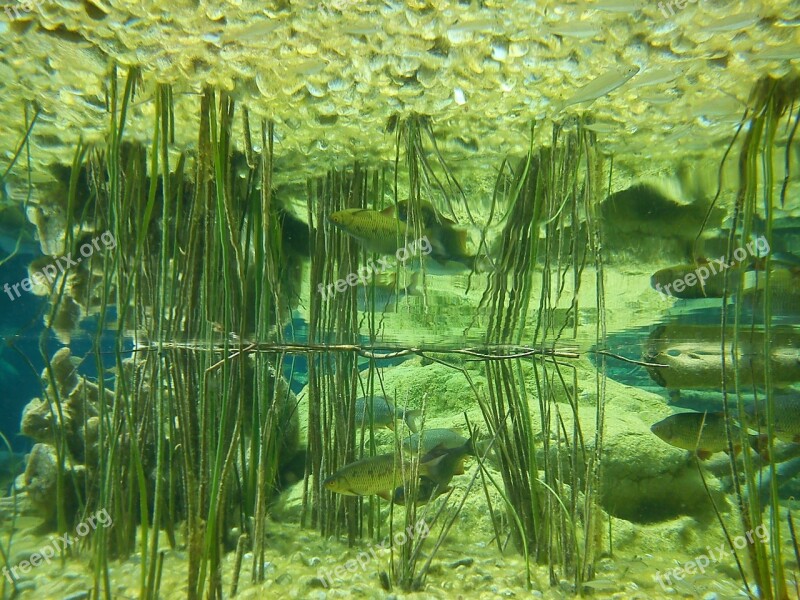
x,y
427,490
601,85
682,430
383,414
430,439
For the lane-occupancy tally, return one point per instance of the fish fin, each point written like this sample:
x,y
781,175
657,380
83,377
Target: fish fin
x,y
388,211
436,452
388,496
703,454
469,448
459,468
390,425
428,466
411,419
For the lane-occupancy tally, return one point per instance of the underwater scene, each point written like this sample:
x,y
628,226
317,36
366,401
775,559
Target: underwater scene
x,y
399,299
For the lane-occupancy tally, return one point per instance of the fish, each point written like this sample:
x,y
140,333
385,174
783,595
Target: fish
x,y
380,474
425,441
786,418
682,430
373,475
601,86
383,414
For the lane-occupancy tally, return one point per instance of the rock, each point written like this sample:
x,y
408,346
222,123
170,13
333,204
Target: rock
x,y
41,476
462,562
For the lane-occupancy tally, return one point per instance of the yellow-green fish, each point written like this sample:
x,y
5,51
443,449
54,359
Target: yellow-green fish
x,y
383,231
368,476
376,231
383,474
682,430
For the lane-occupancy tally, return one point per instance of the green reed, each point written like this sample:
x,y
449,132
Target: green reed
x,y
554,188
197,420
770,102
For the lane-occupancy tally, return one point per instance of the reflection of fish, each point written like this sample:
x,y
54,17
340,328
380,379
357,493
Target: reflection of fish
x,y
383,231
695,280
376,231
682,430
383,414
386,292
601,85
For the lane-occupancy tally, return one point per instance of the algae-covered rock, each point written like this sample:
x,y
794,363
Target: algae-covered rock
x,y
41,482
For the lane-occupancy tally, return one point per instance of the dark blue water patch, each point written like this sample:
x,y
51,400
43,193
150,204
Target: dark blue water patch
x,y
20,359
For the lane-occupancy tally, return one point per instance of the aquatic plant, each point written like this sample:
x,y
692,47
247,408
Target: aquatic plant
x,y
553,191
771,102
